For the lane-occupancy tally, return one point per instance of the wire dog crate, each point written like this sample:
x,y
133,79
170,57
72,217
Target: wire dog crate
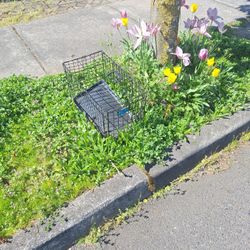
x,y
107,94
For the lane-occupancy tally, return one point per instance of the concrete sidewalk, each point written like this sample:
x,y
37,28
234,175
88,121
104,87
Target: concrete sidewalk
x,y
39,48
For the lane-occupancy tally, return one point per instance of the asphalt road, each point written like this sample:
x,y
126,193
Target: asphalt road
x,y
210,212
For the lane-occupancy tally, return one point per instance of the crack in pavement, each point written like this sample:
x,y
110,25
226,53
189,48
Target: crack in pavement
x,y
29,49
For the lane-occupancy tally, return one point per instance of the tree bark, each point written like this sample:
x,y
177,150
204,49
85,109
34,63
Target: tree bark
x,y
166,13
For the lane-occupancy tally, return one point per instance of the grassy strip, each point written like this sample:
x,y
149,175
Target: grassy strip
x,y
206,165
49,153
13,12
16,12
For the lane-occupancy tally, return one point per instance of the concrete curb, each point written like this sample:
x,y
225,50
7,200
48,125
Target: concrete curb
x,y
212,137
122,191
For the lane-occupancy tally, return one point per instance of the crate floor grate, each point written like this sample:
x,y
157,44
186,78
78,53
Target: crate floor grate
x,y
104,108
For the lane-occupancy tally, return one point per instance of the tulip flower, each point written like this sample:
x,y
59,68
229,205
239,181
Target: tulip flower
x,y
182,56
202,29
153,29
216,72
124,17
201,22
193,7
203,54
175,87
167,71
212,14
124,21
177,70
124,14
183,4
221,27
210,62
140,33
172,78
116,23
190,23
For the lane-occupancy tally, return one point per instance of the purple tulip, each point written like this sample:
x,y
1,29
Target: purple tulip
x,y
202,29
182,56
124,14
175,87
221,27
190,23
203,55
183,4
116,23
153,29
201,22
212,14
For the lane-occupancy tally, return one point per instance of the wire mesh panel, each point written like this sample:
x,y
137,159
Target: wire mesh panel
x,y
109,96
104,108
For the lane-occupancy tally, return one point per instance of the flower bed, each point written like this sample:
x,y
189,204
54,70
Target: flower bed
x,y
49,153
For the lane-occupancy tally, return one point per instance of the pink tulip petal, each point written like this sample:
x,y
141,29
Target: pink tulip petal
x,y
144,29
207,35
138,42
186,55
179,52
124,14
186,61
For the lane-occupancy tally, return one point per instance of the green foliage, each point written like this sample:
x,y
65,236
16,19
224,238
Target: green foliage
x,y
49,153
143,57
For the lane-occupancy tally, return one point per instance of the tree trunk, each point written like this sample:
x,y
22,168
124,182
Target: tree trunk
x,y
166,13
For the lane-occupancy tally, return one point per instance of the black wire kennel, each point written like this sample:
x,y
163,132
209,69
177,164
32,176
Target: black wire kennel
x,y
108,95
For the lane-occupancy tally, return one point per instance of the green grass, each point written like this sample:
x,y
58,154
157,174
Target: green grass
x,y
14,12
49,153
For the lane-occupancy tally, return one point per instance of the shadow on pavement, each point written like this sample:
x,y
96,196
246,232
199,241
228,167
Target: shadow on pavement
x,y
243,30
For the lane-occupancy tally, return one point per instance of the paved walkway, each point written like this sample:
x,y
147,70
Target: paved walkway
x,y
212,211
40,47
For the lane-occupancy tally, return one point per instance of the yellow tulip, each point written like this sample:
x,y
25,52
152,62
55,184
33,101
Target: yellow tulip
x,y
193,7
210,61
177,70
172,78
167,71
216,72
124,21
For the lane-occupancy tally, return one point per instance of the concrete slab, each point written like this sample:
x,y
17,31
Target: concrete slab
x,y
233,3
76,33
59,38
137,9
15,57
